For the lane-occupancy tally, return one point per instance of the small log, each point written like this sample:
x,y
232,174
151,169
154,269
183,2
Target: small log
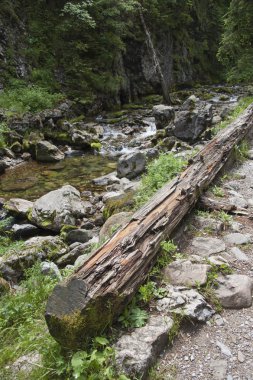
x,y
93,297
209,204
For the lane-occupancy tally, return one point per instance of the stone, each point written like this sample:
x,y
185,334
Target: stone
x,y
113,196
207,246
219,369
237,238
26,156
24,230
250,154
106,180
4,286
78,235
240,255
224,349
131,165
114,222
184,272
18,206
241,357
26,364
164,115
74,253
50,269
184,301
193,119
47,152
136,352
234,291
80,260
208,224
57,208
3,166
238,202
83,139
217,260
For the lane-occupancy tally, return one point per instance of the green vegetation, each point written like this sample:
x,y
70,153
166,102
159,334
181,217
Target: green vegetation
x,y
218,191
159,171
22,325
3,129
241,151
22,99
133,316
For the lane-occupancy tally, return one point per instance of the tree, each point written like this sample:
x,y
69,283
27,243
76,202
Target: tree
x,y
236,49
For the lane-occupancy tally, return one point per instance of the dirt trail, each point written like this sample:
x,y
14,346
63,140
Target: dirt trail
x,y
222,349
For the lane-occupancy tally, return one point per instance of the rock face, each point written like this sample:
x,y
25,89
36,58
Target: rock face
x,y
238,239
58,207
235,291
184,272
164,115
193,119
131,165
47,152
207,246
136,352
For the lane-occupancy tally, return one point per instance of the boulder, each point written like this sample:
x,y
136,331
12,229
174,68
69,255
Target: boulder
x,y
164,115
57,208
234,291
47,152
183,301
78,235
193,119
131,165
106,180
184,272
83,139
136,352
237,238
207,246
18,206
114,223
3,166
24,230
50,269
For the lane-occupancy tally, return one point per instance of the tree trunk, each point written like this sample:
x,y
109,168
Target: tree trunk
x,y
92,298
158,69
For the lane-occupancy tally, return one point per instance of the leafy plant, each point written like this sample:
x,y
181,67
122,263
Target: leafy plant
x,y
224,217
133,316
217,191
149,291
241,151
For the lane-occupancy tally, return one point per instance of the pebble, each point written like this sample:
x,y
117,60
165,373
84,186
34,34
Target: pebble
x,y
241,357
224,349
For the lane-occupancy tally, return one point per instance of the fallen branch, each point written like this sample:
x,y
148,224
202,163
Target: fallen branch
x,y
92,298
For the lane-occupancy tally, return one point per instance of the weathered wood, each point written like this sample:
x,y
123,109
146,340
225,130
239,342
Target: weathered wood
x,y
210,204
92,298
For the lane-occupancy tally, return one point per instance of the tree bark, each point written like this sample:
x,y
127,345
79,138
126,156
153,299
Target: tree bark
x,y
92,298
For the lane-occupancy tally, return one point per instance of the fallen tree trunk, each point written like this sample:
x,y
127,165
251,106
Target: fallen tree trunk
x,y
92,298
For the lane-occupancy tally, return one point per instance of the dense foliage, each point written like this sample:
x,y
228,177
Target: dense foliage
x,y
97,49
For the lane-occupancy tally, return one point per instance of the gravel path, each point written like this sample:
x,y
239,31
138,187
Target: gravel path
x,y
222,348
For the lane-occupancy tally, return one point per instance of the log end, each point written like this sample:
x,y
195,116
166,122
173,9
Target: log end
x,y
73,318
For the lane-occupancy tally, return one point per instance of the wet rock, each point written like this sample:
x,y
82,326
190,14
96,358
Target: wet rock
x,y
164,115
114,223
50,269
24,230
207,246
83,139
106,180
234,291
47,152
184,272
131,165
238,239
18,206
137,352
3,166
79,235
193,119
57,208
187,302
26,156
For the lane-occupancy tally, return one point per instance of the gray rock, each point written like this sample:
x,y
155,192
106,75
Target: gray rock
x,y
240,255
184,272
193,119
47,152
137,352
187,302
80,260
219,369
235,226
58,207
113,196
237,238
208,224
131,165
106,180
224,349
24,230
18,206
81,249
250,154
241,357
83,139
234,291
3,166
164,115
79,235
238,202
114,223
207,246
26,363
50,269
